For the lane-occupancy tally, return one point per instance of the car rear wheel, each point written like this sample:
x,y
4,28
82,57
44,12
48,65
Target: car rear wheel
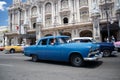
x,y
76,60
106,53
12,51
34,58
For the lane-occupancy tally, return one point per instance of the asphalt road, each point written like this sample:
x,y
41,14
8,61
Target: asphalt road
x,y
19,67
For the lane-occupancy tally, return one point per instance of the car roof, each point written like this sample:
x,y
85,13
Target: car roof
x,y
55,37
82,38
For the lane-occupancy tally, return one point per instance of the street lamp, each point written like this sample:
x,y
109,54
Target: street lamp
x,y
73,13
108,29
118,16
4,39
20,10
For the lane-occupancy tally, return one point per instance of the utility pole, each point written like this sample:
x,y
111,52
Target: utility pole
x,y
108,29
20,10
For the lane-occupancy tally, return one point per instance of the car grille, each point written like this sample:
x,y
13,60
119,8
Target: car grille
x,y
93,53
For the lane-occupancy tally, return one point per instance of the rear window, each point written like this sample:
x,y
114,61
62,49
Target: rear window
x,y
85,40
81,40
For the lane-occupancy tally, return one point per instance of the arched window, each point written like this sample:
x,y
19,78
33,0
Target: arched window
x,y
86,33
34,25
64,4
48,35
34,11
65,20
66,34
48,8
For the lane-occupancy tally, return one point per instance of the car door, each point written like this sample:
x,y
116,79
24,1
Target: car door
x,y
53,51
41,49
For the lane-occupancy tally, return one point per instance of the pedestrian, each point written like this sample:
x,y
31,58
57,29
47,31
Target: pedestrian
x,y
107,39
112,39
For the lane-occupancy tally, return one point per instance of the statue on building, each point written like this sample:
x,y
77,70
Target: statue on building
x,y
95,8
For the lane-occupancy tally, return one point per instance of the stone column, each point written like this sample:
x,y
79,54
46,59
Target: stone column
x,y
38,28
25,32
13,22
96,27
38,31
73,33
95,15
118,17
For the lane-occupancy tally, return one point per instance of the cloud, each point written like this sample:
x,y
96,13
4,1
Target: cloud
x,y
2,7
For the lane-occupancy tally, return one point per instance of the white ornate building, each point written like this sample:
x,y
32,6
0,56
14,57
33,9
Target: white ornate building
x,y
34,19
3,39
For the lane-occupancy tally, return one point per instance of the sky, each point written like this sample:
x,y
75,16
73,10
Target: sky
x,y
4,4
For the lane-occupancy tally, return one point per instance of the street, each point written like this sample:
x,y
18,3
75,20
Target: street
x,y
19,67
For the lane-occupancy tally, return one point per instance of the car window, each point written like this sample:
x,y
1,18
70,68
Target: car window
x,y
43,42
52,41
62,40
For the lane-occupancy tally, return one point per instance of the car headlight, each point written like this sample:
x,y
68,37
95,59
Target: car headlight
x,y
93,51
90,50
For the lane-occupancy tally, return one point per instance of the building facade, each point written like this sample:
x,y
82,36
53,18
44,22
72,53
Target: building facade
x,y
33,19
3,39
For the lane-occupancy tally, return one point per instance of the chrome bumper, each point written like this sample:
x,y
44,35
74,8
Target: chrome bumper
x,y
96,57
114,52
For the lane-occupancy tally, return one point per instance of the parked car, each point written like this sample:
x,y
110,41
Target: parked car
x,y
1,48
117,45
13,48
61,50
107,48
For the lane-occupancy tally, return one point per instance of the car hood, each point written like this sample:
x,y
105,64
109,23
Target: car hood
x,y
105,44
84,45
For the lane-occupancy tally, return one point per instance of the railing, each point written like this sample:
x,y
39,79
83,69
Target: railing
x,y
65,9
107,1
83,5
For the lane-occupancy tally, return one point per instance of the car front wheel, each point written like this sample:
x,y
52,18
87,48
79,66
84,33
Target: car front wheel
x,y
76,60
106,53
34,58
12,51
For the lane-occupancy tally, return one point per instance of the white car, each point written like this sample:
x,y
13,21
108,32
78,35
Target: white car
x,y
82,39
117,45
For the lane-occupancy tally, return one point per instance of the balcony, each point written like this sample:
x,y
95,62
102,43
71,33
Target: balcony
x,y
64,10
11,33
48,13
102,2
83,7
34,16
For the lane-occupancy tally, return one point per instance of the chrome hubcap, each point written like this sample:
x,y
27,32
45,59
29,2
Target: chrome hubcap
x,y
77,60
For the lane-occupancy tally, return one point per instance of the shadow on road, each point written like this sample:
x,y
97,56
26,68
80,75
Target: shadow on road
x,y
87,64
92,64
114,56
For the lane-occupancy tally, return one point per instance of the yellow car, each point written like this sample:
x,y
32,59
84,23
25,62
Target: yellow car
x,y
13,49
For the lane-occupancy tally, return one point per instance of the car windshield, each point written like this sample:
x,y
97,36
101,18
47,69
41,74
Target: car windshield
x,y
92,40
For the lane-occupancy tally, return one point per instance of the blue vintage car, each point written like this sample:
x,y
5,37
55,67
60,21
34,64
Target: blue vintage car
x,y
56,48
